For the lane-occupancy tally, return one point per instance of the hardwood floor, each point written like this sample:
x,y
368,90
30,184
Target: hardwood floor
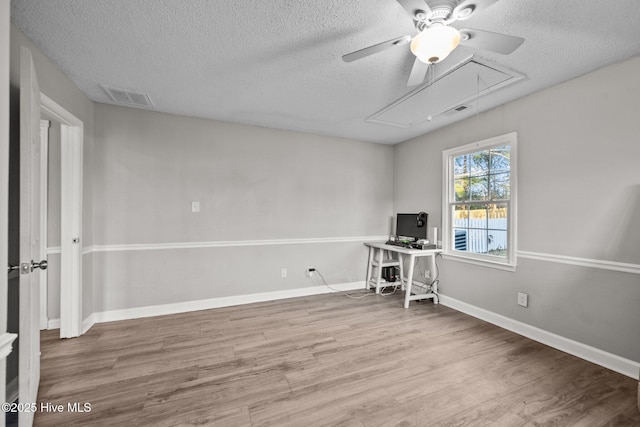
x,y
325,360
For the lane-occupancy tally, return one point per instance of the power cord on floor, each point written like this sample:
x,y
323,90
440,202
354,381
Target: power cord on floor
x,y
360,295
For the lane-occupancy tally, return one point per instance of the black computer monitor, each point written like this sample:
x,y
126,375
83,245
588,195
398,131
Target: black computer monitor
x,y
411,226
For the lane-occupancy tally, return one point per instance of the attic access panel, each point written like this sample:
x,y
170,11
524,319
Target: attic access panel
x,y
463,83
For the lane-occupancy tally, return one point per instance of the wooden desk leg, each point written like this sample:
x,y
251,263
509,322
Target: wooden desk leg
x,y
407,294
367,283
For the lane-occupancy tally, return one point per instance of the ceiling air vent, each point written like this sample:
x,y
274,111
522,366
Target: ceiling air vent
x,y
128,97
456,110
452,91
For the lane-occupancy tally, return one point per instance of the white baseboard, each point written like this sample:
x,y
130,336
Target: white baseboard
x,y
608,360
183,307
86,324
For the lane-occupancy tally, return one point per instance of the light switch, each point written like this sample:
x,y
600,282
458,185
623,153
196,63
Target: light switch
x,y
195,206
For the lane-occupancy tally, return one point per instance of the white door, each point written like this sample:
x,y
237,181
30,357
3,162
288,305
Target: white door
x,y
30,265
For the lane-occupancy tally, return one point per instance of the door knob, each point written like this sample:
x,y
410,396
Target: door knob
x,y
41,265
26,268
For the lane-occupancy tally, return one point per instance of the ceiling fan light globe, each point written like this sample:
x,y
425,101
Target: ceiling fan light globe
x,y
435,43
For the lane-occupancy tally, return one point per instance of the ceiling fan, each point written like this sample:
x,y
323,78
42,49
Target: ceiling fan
x,y
436,38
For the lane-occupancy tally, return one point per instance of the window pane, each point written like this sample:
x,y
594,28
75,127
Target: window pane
x,y
477,241
479,188
500,186
479,163
478,216
498,217
461,189
497,240
480,228
460,165
460,216
500,159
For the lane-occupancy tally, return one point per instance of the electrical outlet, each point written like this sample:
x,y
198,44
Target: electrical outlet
x,y
427,274
310,271
523,299
283,273
195,206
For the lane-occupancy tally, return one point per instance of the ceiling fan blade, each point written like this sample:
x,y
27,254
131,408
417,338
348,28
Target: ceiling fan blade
x,y
486,40
418,73
469,7
358,54
412,6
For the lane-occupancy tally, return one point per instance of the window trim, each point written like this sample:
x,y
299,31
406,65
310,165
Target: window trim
x,y
448,155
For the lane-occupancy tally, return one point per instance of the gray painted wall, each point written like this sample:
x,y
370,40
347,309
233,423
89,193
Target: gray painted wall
x,y
252,184
578,195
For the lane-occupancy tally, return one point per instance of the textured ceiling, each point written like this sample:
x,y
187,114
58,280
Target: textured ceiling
x,y
278,63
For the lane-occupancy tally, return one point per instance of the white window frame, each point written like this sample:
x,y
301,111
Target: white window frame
x,y
448,252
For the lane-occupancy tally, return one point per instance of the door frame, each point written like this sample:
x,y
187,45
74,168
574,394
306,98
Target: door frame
x,y
44,209
71,172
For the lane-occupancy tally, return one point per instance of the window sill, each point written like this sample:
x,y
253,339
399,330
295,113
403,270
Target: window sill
x,y
480,262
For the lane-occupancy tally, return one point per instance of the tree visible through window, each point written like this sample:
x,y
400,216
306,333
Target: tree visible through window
x,y
479,208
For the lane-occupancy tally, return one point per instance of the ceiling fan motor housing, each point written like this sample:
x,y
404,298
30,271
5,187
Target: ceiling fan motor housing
x,y
443,11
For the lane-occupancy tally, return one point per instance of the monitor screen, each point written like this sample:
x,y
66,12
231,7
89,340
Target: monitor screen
x,y
408,226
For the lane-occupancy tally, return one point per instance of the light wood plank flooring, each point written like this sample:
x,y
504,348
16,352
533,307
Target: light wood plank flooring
x,y
325,360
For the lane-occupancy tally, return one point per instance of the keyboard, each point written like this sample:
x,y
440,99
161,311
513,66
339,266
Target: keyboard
x,y
400,244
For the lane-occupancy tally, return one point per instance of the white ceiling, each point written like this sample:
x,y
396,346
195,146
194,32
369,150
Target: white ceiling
x,y
278,63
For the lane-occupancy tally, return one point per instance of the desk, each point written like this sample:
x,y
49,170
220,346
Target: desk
x,y
408,281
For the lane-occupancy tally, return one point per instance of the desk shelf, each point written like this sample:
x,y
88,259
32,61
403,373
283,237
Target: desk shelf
x,y
389,262
384,284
